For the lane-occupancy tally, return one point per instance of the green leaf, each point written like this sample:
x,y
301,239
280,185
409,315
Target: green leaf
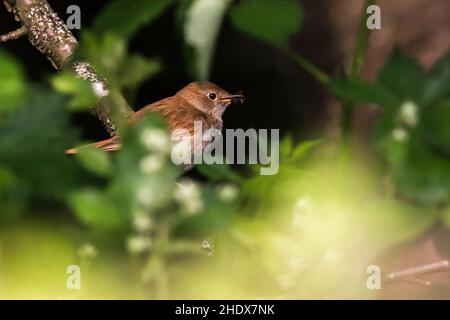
x,y
135,69
106,53
424,176
358,91
436,83
13,194
32,144
123,17
95,160
219,172
403,76
96,210
302,149
201,28
12,82
181,12
415,142
81,91
418,172
436,122
273,21
286,146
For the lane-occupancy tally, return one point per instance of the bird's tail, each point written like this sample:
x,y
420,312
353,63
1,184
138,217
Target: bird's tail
x,y
108,145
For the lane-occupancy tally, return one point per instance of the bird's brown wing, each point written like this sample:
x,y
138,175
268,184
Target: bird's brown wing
x,y
113,144
177,114
162,107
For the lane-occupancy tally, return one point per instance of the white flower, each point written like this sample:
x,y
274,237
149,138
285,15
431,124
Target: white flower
x,y
188,195
400,134
208,246
138,244
145,195
151,164
194,206
227,193
156,140
142,223
186,191
409,114
87,250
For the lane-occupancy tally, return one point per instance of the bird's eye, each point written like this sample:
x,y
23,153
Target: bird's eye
x,y
212,96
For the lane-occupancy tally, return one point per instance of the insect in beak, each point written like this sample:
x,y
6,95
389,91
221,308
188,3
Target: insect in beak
x,y
235,98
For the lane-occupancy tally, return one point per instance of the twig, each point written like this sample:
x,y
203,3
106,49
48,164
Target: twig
x,y
420,282
16,34
309,67
412,274
49,34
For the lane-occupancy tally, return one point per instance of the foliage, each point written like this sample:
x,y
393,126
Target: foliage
x,y
81,92
272,21
139,228
11,83
410,133
32,144
108,54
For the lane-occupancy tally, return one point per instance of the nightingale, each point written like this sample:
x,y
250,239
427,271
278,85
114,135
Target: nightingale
x,y
198,101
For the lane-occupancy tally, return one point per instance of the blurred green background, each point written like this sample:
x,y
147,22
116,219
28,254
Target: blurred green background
x,y
343,199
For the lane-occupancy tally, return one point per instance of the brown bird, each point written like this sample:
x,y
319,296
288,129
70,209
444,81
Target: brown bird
x,y
198,101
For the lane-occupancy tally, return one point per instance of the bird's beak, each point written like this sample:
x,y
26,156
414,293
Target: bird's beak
x,y
234,98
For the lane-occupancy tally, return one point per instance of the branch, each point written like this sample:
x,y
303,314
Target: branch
x,y
49,34
412,274
16,34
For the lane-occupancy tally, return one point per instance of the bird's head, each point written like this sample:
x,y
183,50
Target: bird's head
x,y
209,97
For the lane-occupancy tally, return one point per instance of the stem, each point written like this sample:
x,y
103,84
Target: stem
x,y
412,274
357,63
162,239
309,67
